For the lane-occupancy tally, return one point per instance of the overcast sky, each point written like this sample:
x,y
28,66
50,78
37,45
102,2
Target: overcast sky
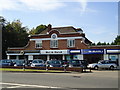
x,y
99,20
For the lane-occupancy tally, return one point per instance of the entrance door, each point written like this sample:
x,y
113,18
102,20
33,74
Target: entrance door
x,y
93,58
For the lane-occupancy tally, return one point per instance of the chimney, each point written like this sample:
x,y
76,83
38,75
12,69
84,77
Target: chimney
x,y
49,27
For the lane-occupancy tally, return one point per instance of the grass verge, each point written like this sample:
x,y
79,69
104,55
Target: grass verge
x,y
29,70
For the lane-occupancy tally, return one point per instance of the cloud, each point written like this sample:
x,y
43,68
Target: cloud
x,y
8,4
41,5
83,7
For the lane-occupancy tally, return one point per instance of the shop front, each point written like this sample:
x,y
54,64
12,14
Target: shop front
x,y
93,55
113,55
54,54
75,54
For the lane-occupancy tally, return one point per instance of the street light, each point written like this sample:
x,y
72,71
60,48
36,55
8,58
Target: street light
x,y
22,53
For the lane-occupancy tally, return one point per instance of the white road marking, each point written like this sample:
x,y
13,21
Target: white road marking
x,y
22,85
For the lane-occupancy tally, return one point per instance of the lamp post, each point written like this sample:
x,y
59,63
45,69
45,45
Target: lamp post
x,y
22,53
1,40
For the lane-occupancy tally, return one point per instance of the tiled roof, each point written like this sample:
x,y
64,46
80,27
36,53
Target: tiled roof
x,y
68,29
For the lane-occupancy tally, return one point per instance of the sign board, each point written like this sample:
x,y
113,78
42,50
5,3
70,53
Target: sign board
x,y
54,51
113,51
75,51
93,51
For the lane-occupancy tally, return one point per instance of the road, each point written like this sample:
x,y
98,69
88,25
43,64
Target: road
x,y
96,79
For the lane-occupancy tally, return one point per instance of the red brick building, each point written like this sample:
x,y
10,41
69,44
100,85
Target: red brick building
x,y
62,43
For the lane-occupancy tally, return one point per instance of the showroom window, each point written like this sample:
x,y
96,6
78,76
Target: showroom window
x,y
71,43
39,44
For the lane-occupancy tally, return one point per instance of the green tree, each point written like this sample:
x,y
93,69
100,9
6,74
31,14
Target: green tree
x,y
103,43
13,35
117,40
93,44
99,43
38,29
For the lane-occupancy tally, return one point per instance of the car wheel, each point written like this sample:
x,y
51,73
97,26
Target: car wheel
x,y
111,67
96,67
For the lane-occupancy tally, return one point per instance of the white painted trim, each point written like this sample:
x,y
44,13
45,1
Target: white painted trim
x,y
75,51
14,54
59,38
113,51
32,54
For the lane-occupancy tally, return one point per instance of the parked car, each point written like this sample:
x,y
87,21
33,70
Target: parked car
x,y
6,62
29,62
18,62
54,63
103,64
76,63
38,63
65,63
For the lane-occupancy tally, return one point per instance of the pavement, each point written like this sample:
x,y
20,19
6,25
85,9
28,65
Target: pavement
x,y
66,81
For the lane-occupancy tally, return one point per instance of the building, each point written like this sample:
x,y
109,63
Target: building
x,y
63,43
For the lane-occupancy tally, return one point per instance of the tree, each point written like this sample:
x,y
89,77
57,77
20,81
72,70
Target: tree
x,y
13,35
38,29
2,21
99,43
93,44
116,41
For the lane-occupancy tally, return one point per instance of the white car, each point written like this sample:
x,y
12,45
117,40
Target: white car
x,y
103,64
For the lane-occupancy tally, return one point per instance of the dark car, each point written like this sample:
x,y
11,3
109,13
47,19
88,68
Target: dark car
x,y
84,63
6,62
18,62
78,63
53,63
65,63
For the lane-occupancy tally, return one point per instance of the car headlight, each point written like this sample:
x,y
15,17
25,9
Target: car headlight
x,y
15,64
90,65
33,65
51,65
70,65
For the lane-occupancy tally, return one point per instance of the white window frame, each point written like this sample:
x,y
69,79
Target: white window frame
x,y
38,43
54,43
71,43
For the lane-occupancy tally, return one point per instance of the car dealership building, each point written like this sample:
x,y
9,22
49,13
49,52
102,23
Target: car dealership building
x,y
64,43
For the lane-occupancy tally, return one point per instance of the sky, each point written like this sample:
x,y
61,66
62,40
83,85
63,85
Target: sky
x,y
97,19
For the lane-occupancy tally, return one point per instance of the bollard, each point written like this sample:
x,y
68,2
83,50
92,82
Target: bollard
x,y
47,67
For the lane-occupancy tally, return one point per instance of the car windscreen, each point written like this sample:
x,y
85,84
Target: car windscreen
x,y
75,62
18,61
40,61
55,62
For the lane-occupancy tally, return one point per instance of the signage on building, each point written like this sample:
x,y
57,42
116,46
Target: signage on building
x,y
75,51
113,51
93,51
54,51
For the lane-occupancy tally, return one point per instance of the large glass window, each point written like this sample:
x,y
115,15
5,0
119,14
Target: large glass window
x,y
39,44
71,43
54,43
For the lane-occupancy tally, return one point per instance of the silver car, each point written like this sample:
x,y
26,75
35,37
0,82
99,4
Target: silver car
x,y
103,64
38,63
